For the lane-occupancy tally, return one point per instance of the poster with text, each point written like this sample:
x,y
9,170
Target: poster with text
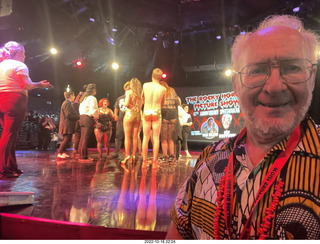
x,y
215,112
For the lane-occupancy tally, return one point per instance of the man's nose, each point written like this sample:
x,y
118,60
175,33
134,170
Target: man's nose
x,y
275,82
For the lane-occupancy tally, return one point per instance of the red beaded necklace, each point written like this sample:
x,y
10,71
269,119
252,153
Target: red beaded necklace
x,y
226,186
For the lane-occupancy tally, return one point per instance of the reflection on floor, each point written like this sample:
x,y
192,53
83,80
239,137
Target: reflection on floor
x,y
98,192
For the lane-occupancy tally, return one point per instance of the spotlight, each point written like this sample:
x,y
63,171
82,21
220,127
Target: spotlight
x,y
164,76
115,66
111,41
228,72
176,41
79,63
53,51
154,38
218,37
297,9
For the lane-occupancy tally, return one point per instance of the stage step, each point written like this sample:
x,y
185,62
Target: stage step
x,y
16,198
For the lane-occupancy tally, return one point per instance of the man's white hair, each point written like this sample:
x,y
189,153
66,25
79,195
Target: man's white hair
x,y
278,20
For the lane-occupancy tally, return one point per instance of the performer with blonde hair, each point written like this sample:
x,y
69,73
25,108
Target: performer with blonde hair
x,y
132,118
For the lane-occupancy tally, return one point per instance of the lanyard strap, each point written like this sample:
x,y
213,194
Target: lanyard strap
x,y
228,185
266,184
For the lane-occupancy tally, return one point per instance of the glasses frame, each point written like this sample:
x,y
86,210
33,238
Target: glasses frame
x,y
274,64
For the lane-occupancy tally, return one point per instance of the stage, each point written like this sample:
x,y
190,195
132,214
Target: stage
x,y
98,192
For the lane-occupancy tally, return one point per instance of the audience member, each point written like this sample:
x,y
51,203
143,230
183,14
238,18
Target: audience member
x,y
14,86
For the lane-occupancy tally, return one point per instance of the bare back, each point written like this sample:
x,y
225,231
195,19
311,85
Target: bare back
x,y
153,95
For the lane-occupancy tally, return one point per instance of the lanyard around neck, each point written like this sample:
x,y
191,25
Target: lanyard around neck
x,y
266,184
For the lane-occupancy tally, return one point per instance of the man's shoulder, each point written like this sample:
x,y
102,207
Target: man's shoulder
x,y
146,84
222,145
216,151
66,103
16,64
163,88
153,86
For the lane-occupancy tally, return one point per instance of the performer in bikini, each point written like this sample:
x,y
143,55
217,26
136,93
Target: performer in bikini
x,y
153,96
132,118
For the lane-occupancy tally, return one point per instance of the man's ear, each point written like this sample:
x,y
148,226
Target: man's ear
x,y
235,83
314,70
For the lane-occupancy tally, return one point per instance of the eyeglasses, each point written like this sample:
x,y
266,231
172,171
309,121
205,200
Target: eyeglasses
x,y
293,71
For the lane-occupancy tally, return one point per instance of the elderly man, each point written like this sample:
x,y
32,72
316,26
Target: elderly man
x,y
265,182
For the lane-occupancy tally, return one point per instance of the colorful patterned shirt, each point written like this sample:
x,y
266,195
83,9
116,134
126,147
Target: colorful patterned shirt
x,y
297,215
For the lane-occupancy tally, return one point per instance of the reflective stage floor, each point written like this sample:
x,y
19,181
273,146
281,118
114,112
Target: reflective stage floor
x,y
99,192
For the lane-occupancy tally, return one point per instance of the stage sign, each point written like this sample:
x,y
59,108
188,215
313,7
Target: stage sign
x,y
215,112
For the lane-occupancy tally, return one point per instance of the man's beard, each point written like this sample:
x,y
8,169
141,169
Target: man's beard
x,y
277,126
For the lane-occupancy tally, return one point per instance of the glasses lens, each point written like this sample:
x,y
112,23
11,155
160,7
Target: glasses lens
x,y
295,71
255,75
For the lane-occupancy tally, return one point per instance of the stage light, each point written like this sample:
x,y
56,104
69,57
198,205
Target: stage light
x,y
115,66
154,38
68,88
176,41
297,9
228,72
53,51
111,41
164,76
218,37
79,63
92,19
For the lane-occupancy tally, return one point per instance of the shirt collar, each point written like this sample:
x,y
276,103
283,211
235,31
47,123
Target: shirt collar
x,y
309,141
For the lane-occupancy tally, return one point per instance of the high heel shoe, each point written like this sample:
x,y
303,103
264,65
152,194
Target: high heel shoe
x,y
125,159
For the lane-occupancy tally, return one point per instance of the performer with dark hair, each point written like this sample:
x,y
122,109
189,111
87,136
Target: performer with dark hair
x,y
14,85
46,128
89,112
68,118
168,134
103,126
119,111
186,123
77,129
